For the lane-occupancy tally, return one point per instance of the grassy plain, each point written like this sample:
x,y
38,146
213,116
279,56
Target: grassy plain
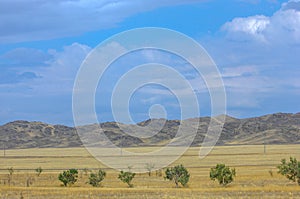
x,y
256,174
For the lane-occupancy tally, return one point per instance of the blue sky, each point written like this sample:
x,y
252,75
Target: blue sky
x,y
255,44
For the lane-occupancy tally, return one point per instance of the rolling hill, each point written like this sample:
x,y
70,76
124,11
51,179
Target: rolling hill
x,y
278,128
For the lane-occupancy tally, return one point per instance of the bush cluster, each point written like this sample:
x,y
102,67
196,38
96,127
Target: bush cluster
x,y
178,174
291,169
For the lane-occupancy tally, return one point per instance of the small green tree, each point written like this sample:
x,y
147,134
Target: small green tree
x,y
179,174
126,177
223,174
96,178
38,171
68,177
290,169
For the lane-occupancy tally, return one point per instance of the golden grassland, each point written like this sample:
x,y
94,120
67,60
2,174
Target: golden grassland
x,y
253,180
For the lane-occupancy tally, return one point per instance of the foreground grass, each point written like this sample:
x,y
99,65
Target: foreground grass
x,y
142,193
252,165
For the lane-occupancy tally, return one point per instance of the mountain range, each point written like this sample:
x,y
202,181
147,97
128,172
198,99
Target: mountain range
x,y
277,128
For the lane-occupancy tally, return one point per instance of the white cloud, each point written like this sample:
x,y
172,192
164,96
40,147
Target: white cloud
x,y
259,60
39,20
282,27
38,75
59,76
252,26
49,95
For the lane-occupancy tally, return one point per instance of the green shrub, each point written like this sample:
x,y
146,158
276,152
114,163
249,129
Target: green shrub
x,y
223,174
96,178
126,177
10,170
290,169
38,171
68,177
179,174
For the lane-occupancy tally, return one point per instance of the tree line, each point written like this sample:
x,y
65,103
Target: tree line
x,y
221,173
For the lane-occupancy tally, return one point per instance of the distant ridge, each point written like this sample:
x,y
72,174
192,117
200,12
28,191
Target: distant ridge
x,y
277,128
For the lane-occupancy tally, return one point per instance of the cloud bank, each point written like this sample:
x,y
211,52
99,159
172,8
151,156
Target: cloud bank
x,y
33,20
282,27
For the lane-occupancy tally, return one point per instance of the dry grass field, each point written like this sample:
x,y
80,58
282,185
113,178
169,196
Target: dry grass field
x,y
253,180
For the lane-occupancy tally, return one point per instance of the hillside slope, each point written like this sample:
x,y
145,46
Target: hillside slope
x,y
278,128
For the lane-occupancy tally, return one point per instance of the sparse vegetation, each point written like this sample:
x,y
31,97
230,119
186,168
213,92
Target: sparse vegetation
x,y
11,171
96,178
178,174
290,169
38,171
68,177
149,167
223,174
129,167
271,172
126,177
254,180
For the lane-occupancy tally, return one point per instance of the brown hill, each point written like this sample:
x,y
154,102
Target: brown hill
x,y
279,128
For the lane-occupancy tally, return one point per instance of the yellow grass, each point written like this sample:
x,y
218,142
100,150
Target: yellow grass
x,y
252,165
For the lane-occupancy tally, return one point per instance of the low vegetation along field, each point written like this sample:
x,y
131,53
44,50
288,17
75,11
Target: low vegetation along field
x,y
256,174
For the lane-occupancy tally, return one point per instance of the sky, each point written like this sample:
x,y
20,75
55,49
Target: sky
x,y
254,43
